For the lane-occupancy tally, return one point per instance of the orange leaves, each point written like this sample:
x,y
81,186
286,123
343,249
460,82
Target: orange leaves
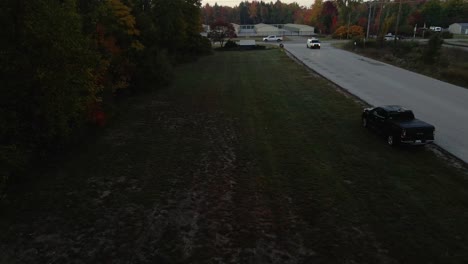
x,y
354,31
341,32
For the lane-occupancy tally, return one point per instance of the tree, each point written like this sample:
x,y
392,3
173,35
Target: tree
x,y
253,10
47,73
454,11
431,12
316,12
329,17
432,50
60,58
208,14
221,30
416,18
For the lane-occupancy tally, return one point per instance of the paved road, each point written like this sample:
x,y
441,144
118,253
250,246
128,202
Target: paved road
x,y
377,83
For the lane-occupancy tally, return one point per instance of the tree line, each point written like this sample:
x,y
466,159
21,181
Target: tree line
x,y
65,62
327,16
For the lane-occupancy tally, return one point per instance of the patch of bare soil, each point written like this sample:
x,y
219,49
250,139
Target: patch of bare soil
x,y
162,186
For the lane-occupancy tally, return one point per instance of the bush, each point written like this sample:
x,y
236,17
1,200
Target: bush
x,y
371,43
260,47
199,45
405,47
230,45
354,32
446,35
431,52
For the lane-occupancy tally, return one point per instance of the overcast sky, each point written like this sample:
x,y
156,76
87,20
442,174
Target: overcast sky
x,y
306,3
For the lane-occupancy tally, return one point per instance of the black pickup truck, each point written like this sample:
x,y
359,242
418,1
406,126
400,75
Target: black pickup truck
x,y
398,125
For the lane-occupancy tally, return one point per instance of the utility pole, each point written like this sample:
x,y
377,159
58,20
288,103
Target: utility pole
x,y
368,20
349,21
397,22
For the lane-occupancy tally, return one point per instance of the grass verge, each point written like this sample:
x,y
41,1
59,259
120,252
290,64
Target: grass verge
x,y
450,64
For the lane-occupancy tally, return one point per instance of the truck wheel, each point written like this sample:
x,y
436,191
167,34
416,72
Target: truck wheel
x,y
278,40
364,122
391,140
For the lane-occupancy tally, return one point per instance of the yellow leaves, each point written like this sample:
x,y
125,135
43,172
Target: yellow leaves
x,y
124,17
137,45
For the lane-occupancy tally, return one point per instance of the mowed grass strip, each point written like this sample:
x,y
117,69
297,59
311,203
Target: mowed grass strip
x,y
358,197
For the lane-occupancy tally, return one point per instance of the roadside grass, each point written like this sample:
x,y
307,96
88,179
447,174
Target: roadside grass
x,y
247,158
460,36
450,66
354,192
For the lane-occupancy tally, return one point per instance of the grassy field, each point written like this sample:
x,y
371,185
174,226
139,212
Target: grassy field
x,y
246,158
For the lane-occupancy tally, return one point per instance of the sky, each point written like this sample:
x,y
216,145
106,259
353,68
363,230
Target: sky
x,y
306,3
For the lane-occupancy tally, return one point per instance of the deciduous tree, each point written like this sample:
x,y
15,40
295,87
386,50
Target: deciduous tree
x,y
221,30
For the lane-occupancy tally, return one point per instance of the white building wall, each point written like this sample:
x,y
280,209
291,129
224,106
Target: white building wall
x,y
455,28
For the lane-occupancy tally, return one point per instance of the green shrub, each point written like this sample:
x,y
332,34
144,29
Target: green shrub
x,y
371,43
432,51
429,34
405,47
230,44
446,35
199,45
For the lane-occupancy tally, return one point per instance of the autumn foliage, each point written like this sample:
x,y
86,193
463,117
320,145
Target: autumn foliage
x,y
354,31
64,63
221,30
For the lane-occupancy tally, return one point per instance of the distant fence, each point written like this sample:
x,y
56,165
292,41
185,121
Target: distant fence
x,y
282,33
267,33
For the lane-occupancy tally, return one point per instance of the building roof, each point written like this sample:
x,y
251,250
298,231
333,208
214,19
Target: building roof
x,y
299,27
461,24
266,28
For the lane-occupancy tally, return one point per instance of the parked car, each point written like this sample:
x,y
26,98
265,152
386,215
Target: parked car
x,y
313,43
398,125
389,37
273,38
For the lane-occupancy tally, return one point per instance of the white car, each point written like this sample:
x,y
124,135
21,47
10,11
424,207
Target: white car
x,y
313,43
273,38
390,37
